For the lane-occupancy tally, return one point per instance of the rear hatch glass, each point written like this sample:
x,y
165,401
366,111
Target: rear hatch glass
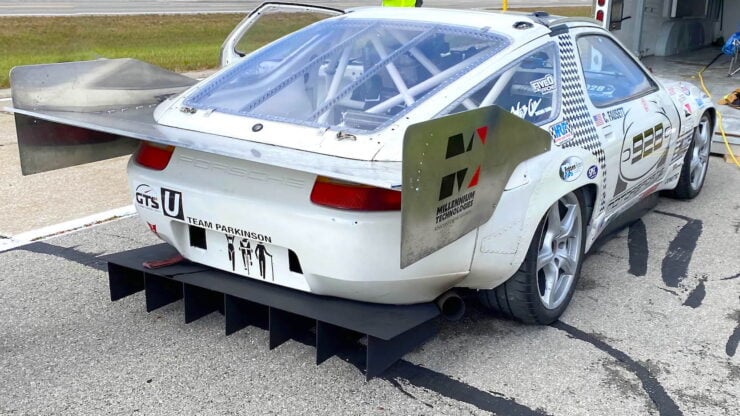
x,y
350,74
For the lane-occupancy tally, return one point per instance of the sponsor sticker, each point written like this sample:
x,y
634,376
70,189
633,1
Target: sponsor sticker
x,y
254,257
685,90
454,172
146,197
543,85
560,132
526,110
699,102
687,109
453,183
571,169
592,171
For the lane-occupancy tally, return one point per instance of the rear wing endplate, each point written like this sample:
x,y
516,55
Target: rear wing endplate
x,y
455,169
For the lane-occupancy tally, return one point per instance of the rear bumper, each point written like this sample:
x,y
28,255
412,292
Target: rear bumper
x,y
348,254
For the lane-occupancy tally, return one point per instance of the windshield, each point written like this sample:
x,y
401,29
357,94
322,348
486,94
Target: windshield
x,y
350,74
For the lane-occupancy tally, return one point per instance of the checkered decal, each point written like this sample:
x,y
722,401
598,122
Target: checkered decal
x,y
575,111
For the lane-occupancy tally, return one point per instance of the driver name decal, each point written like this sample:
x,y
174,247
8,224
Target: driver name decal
x,y
601,119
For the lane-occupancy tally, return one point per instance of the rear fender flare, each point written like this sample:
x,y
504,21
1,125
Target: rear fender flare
x,y
492,266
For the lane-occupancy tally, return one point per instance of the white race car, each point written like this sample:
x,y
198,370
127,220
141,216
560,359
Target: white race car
x,y
387,155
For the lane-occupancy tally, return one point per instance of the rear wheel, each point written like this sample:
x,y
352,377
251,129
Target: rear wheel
x,y
696,162
541,289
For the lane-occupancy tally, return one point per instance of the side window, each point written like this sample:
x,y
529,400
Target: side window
x,y
526,88
611,75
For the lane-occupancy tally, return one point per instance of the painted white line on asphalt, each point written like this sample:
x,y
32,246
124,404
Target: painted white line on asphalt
x,y
65,227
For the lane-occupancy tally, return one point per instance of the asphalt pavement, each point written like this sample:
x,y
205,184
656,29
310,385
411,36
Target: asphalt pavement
x,y
62,7
652,330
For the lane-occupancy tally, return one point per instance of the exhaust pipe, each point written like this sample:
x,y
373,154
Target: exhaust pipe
x,y
451,305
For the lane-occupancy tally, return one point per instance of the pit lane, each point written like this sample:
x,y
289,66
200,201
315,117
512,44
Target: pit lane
x,y
653,329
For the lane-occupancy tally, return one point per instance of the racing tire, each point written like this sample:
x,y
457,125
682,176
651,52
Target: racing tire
x,y
695,162
540,291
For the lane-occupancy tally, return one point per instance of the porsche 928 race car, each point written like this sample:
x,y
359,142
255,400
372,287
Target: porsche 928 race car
x,y
387,155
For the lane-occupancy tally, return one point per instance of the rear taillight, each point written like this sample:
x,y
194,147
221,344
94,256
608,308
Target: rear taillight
x,y
354,196
154,156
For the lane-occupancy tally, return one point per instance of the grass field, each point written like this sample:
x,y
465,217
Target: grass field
x,y
176,42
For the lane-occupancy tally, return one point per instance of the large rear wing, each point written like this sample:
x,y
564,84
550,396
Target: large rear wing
x,y
453,171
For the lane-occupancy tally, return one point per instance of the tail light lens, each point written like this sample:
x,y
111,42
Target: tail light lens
x,y
354,196
600,15
154,156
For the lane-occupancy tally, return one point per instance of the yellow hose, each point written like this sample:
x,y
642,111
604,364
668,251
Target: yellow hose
x,y
719,122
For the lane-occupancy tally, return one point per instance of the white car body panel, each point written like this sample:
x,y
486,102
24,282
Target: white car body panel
x,y
328,242
620,153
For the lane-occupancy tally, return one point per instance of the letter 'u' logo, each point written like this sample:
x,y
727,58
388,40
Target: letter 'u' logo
x,y
456,147
172,204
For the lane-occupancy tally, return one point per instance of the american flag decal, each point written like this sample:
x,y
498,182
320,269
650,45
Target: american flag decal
x,y
599,120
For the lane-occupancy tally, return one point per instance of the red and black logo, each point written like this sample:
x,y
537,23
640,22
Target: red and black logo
x,y
456,146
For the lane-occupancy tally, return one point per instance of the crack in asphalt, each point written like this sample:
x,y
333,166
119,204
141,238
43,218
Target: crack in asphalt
x,y
400,388
416,375
731,277
451,388
660,398
671,214
434,381
447,386
669,291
